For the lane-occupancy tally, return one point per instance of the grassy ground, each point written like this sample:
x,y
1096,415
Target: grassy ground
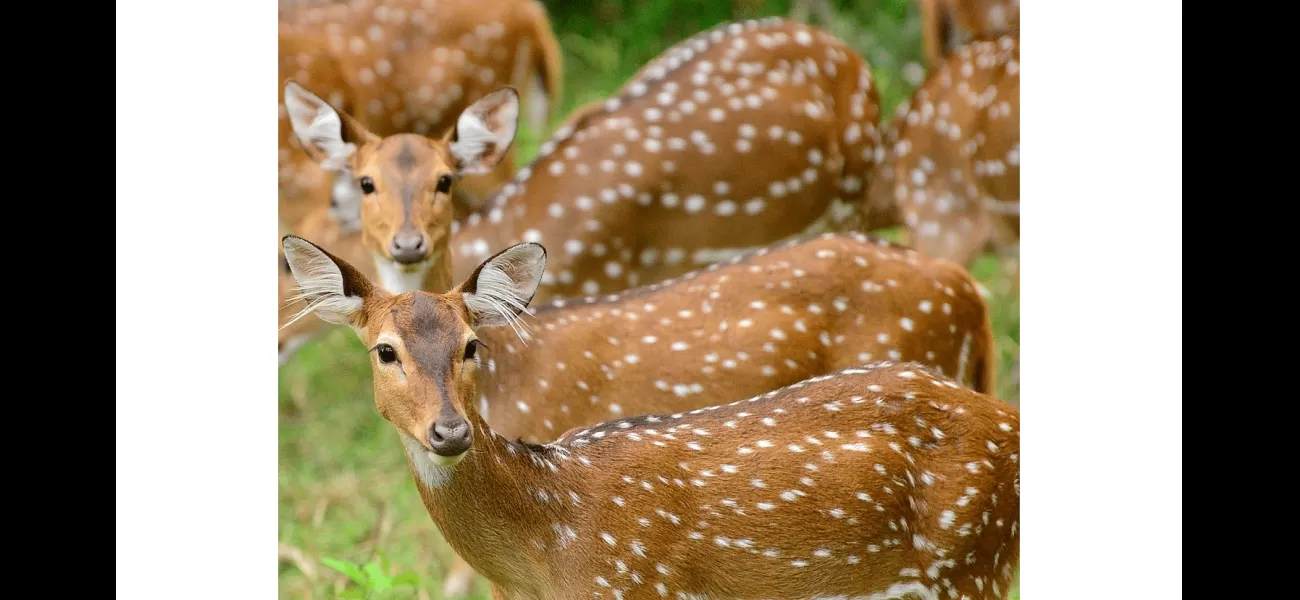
x,y
345,492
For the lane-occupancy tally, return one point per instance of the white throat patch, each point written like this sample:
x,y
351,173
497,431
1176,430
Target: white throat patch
x,y
431,474
398,278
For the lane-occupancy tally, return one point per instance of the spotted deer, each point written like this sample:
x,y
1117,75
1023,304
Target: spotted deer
x,y
948,24
737,137
729,331
867,482
951,159
412,66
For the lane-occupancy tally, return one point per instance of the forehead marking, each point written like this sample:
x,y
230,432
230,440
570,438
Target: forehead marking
x,y
433,342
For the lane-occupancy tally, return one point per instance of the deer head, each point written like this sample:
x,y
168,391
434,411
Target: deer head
x,y
403,182
423,347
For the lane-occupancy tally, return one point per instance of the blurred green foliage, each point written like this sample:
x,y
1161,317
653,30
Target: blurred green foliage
x,y
372,580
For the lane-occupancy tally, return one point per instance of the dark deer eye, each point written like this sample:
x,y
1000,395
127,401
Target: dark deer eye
x,y
471,349
386,353
367,184
444,184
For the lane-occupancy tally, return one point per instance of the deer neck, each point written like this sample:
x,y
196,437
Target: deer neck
x,y
498,506
505,365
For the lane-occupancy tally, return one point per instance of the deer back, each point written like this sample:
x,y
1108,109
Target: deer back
x,y
733,139
771,318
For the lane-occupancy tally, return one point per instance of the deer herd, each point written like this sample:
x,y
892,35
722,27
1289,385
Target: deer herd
x,y
664,359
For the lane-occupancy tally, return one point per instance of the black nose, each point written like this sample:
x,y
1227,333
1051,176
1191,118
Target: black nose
x,y
449,439
409,248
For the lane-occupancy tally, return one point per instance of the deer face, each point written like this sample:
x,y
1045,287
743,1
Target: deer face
x,y
400,186
424,353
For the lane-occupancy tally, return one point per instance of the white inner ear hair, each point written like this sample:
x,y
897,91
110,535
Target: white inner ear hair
x,y
320,126
501,298
473,133
320,284
472,137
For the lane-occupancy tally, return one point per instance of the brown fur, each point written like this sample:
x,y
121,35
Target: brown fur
x,y
640,182
412,66
821,303
808,288
852,483
304,186
948,190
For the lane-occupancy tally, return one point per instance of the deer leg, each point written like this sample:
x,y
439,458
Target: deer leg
x,y
931,33
291,346
1009,256
538,108
459,580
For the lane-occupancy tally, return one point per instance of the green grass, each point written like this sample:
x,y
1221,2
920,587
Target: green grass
x,y
345,492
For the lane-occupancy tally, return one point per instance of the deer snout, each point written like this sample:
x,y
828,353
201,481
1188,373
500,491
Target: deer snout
x,y
409,248
450,438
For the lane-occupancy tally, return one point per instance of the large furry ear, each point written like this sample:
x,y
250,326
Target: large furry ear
x,y
332,288
328,136
484,132
499,290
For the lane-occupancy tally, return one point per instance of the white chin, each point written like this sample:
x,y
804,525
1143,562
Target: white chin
x,y
446,461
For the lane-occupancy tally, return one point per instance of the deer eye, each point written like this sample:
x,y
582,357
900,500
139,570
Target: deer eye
x,y
367,184
444,184
471,349
386,353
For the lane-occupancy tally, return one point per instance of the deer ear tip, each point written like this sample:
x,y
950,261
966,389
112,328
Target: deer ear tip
x,y
293,242
536,250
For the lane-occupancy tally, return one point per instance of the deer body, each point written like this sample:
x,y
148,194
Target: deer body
x,y
952,160
733,139
412,66
774,317
885,479
948,24
872,481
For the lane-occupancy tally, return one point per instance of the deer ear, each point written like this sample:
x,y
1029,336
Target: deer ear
x,y
501,288
332,288
328,136
484,132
